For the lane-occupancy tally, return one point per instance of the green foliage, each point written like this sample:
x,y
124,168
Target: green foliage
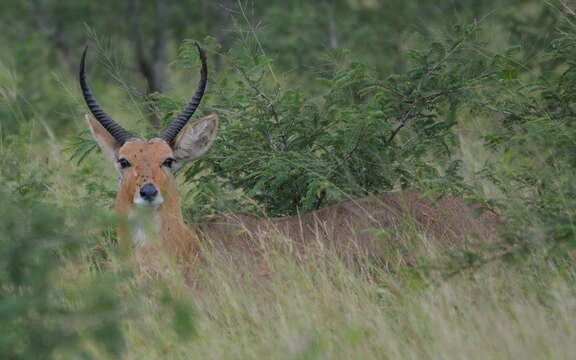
x,y
43,316
536,171
292,153
39,317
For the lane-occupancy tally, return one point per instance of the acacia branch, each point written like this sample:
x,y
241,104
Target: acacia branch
x,y
403,121
270,104
409,113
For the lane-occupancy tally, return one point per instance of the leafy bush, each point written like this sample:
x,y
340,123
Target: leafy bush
x,y
292,153
536,171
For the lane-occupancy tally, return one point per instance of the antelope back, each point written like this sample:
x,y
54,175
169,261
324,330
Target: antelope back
x,y
375,228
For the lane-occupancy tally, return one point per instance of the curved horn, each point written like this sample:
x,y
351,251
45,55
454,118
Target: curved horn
x,y
110,125
170,133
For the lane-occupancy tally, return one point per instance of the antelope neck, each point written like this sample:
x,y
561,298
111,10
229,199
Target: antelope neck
x,y
157,227
145,225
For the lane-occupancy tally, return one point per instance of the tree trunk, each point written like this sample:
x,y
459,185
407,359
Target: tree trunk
x,y
151,62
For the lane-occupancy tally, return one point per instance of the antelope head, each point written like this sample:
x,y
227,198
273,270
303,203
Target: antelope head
x,y
146,166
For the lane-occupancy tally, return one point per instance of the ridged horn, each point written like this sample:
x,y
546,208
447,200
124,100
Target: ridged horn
x,y
172,130
110,125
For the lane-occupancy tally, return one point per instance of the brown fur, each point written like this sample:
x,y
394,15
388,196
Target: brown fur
x,y
365,228
146,158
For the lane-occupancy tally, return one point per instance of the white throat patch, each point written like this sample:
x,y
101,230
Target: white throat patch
x,y
145,225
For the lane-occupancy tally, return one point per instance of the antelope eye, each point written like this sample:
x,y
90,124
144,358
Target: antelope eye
x,y
124,163
168,163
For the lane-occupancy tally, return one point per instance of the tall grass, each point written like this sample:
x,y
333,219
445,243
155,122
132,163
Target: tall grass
x,y
281,307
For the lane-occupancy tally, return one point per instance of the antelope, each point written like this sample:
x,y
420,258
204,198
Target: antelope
x,y
148,196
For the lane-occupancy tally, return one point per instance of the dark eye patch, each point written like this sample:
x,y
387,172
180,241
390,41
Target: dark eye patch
x,y
168,163
124,164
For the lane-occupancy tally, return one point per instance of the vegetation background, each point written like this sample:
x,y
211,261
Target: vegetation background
x,y
320,101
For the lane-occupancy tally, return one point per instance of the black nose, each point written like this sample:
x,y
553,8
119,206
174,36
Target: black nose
x,y
148,192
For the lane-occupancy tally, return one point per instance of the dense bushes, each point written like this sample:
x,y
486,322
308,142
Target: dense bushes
x,y
292,152
534,137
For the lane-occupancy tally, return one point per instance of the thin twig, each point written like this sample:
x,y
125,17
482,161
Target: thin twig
x,y
270,104
408,114
405,118
347,156
253,32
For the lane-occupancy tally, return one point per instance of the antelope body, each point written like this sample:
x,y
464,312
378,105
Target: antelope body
x,y
148,197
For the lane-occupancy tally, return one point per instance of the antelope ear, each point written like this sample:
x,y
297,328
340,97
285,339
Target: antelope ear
x,y
107,142
195,139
